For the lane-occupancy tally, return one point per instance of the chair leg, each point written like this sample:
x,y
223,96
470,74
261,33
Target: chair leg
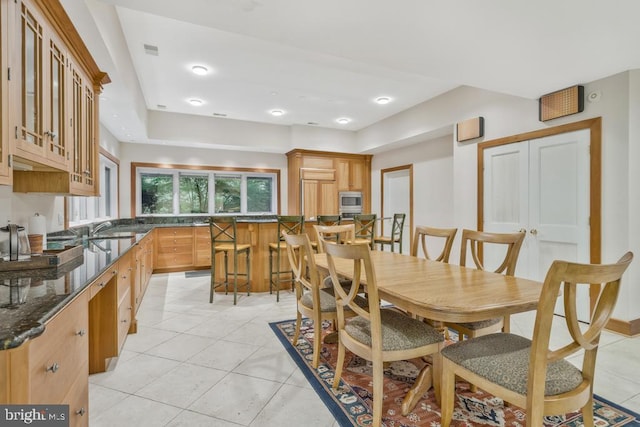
x,y
447,392
587,413
235,277
248,272
296,333
270,271
278,275
213,276
378,392
226,273
317,342
339,365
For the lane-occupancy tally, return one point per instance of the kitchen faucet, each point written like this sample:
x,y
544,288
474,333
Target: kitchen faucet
x,y
101,226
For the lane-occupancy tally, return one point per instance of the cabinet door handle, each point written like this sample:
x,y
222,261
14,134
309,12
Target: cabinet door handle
x,y
53,368
81,333
102,284
534,231
81,411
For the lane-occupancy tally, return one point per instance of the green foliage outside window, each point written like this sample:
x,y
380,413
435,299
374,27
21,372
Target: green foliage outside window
x,y
157,193
231,192
194,194
227,195
259,197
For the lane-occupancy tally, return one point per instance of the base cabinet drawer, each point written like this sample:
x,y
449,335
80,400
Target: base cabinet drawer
x,y
125,312
78,400
59,355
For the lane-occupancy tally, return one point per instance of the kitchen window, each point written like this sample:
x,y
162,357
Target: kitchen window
x,y
168,191
83,210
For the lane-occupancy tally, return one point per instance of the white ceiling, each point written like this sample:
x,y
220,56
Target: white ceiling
x,y
322,60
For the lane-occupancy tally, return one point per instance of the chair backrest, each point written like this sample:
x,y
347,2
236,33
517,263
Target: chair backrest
x,y
357,259
365,226
290,224
512,242
223,230
333,234
397,227
303,265
329,219
421,234
570,276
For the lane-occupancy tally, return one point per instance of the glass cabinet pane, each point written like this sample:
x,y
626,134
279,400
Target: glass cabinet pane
x,y
57,102
31,79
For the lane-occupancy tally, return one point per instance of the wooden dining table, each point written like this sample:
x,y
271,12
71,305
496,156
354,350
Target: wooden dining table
x,y
443,293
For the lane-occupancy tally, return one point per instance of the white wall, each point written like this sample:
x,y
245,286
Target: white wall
x,y
505,115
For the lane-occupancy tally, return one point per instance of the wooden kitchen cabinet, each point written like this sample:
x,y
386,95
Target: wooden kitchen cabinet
x,y
126,274
52,368
53,92
6,174
202,246
143,254
351,174
173,248
316,177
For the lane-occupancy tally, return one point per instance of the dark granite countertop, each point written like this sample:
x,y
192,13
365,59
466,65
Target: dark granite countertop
x,y
28,298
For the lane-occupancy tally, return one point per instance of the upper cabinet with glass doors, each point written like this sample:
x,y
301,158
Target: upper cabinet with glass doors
x,y
5,172
55,121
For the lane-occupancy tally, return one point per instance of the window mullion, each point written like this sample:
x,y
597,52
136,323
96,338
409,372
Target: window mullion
x,y
176,192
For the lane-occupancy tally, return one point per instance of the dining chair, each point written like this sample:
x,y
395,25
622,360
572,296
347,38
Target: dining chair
x,y
376,334
224,238
325,220
526,372
397,228
472,241
421,234
312,300
334,234
365,228
289,224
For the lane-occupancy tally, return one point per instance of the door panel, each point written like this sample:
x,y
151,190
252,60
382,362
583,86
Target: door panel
x,y
541,186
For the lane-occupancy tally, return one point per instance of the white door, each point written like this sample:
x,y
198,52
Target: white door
x,y
397,200
553,206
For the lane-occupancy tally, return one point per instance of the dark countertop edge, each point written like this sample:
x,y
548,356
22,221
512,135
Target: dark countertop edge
x,y
38,327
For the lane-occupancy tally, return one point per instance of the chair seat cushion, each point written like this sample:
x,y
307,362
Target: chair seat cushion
x,y
399,331
503,358
481,324
328,300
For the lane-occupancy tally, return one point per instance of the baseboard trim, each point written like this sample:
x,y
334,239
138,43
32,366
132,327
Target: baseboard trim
x,y
628,328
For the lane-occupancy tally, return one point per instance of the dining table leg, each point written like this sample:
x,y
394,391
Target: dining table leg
x,y
428,376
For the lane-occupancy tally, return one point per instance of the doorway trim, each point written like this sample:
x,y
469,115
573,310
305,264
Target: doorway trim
x,y
396,169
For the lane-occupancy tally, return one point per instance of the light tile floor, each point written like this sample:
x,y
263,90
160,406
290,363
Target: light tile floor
x,y
198,364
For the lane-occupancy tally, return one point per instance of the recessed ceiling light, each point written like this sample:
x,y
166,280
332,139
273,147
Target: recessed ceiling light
x,y
277,113
383,100
199,70
196,102
343,120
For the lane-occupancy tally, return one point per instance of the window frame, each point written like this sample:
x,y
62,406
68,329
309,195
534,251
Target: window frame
x,y
137,169
94,206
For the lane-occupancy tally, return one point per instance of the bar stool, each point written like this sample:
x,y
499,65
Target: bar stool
x,y
224,239
325,220
365,228
289,224
397,228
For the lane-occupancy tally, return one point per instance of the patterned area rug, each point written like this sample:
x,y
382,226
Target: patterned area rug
x,y
351,404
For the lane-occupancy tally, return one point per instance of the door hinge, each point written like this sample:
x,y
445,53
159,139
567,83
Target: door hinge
x,y
16,129
9,160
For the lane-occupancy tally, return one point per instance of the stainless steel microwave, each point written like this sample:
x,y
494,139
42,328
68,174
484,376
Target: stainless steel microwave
x,y
350,202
